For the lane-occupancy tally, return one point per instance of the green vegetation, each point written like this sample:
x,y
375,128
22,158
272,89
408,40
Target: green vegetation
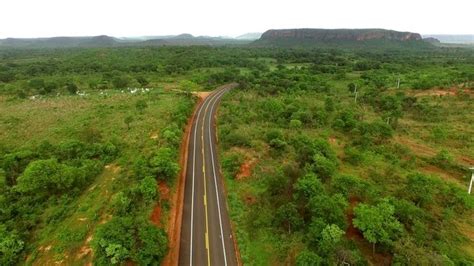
x,y
336,177
80,164
345,166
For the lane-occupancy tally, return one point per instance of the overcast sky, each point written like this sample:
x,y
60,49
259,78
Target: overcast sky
x,y
44,18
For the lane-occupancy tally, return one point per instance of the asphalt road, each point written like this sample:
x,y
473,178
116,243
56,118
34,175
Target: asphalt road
x,y
206,232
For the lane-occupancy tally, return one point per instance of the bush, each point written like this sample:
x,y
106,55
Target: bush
x,y
308,258
148,188
231,163
10,246
124,238
164,165
295,124
323,166
49,177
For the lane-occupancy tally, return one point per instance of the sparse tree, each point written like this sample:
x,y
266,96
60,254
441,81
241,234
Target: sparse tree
x,y
377,223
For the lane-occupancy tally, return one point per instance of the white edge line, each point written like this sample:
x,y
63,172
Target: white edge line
x,y
194,167
215,179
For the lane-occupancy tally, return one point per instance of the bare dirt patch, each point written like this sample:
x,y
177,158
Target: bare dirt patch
x,y
154,135
202,94
437,92
156,214
417,148
467,160
351,231
115,168
453,91
246,169
164,190
432,169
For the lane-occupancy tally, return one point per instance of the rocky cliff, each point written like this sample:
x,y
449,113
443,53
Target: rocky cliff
x,y
340,35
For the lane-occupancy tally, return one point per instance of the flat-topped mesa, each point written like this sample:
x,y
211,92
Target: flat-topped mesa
x,y
340,35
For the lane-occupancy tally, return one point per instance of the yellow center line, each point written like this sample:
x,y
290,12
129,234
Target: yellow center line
x,y
205,189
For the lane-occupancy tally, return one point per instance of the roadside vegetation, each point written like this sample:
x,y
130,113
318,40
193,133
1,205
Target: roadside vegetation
x,y
86,174
325,159
328,162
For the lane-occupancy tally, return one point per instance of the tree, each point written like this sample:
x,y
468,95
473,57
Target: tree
x,y
329,104
330,208
141,105
36,84
142,80
7,76
377,223
308,258
420,189
3,180
121,203
188,86
323,166
50,86
121,81
295,124
331,236
72,87
288,216
164,164
128,120
307,186
148,188
127,238
153,245
10,246
48,177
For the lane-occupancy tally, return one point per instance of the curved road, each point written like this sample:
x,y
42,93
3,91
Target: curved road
x,y
206,232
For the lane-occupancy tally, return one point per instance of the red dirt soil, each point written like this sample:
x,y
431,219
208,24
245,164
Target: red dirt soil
x,y
352,232
453,91
246,169
164,191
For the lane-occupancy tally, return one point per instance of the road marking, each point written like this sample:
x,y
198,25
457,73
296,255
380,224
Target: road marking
x,y
192,189
205,185
215,180
207,100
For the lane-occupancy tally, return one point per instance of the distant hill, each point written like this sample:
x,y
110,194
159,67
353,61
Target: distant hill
x,y
339,38
446,38
188,39
249,36
54,42
107,41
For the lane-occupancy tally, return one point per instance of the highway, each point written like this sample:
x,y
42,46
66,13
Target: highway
x,y
206,235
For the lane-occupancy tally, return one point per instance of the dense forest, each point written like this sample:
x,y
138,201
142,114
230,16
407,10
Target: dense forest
x,y
330,156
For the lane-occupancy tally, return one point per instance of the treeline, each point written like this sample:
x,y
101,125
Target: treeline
x,y
30,72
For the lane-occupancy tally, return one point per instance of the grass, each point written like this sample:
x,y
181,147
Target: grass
x,y
64,230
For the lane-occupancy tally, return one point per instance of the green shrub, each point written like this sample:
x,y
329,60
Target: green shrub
x,y
11,246
148,188
164,165
124,238
231,163
308,258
